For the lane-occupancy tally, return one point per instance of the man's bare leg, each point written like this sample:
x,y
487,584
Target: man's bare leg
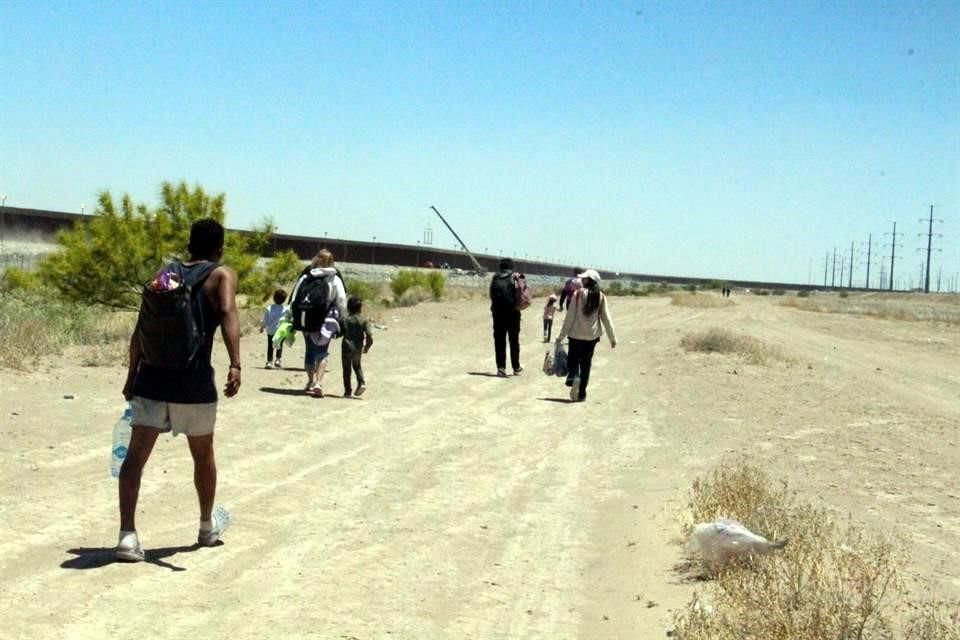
x,y
142,440
204,473
320,370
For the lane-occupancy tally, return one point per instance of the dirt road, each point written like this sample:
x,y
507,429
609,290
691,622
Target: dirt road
x,y
447,503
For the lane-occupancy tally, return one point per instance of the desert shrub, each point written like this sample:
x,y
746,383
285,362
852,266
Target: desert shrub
x,y
543,291
718,340
690,287
14,279
779,292
924,308
401,281
933,620
803,293
279,272
413,296
615,288
366,291
740,491
432,281
832,580
761,292
699,301
844,294
34,325
106,258
436,282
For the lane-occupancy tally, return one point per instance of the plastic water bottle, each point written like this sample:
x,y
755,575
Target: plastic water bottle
x,y
222,517
121,440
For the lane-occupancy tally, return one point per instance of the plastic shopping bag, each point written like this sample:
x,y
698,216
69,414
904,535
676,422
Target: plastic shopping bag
x,y
560,361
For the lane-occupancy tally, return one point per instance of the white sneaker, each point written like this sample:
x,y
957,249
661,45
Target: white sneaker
x,y
276,364
128,548
269,365
221,519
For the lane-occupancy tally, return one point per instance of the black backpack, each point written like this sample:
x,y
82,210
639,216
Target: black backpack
x,y
311,301
171,324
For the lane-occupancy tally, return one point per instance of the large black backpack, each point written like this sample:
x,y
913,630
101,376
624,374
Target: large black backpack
x,y
311,301
171,323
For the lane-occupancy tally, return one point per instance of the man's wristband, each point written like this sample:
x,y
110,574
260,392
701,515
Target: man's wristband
x,y
235,366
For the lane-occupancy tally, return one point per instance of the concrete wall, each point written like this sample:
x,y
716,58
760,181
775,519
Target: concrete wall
x,y
42,225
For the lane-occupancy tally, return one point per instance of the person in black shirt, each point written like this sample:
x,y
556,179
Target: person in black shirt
x,y
183,400
506,319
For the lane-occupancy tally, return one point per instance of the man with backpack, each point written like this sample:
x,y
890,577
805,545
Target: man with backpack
x,y
170,381
508,296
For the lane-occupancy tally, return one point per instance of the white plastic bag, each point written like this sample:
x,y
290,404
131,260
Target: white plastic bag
x,y
723,540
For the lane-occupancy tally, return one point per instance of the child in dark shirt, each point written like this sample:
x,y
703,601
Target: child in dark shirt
x,y
356,341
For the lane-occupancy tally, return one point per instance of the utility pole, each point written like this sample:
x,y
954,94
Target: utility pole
x,y
893,252
3,219
826,268
866,281
833,276
929,234
850,283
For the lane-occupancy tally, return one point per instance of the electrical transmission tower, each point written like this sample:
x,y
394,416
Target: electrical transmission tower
x,y
893,251
929,234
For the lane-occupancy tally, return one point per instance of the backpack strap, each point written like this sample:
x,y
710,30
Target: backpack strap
x,y
198,275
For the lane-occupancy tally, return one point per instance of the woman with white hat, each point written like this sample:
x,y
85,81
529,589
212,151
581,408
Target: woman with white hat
x,y
586,318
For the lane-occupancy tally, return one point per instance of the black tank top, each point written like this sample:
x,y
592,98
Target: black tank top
x,y
194,385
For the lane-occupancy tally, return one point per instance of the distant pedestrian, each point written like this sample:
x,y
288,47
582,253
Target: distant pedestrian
x,y
548,312
269,323
357,340
585,314
506,318
571,285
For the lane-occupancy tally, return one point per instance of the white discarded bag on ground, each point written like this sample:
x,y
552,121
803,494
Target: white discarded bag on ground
x,y
723,540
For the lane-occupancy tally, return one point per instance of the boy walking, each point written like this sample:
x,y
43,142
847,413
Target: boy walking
x,y
356,341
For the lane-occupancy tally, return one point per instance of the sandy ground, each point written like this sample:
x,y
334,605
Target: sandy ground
x,y
447,503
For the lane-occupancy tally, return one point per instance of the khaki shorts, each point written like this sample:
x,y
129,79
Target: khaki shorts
x,y
188,419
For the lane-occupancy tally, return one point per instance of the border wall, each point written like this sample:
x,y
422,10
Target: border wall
x,y
37,225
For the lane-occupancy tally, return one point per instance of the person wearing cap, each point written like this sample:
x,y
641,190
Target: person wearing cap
x,y
587,316
506,319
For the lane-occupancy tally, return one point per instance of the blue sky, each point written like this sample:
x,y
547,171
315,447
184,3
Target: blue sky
x,y
720,139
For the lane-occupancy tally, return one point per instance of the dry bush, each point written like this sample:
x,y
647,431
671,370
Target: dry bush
x,y
545,291
831,581
413,296
915,308
699,300
34,325
934,620
718,340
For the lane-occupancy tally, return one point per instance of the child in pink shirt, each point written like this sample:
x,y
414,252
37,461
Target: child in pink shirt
x,y
548,310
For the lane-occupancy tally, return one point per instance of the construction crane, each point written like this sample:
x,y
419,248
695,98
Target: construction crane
x,y
476,265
